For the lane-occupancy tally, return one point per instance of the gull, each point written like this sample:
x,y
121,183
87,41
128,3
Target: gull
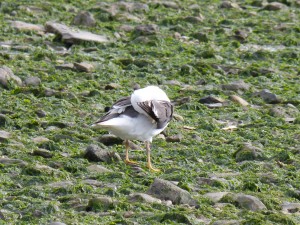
x,y
141,116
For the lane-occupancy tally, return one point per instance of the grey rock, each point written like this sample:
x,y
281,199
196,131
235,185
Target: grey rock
x,y
249,202
288,207
50,92
275,6
7,75
229,5
26,26
56,223
43,152
146,29
141,197
249,152
268,97
40,113
194,19
110,139
182,100
227,222
169,4
215,196
71,36
126,28
32,81
166,190
212,181
66,66
98,169
236,85
101,204
174,138
4,135
96,154
8,161
84,67
84,18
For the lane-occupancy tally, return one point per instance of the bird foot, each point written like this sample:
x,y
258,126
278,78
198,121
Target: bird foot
x,y
130,162
153,169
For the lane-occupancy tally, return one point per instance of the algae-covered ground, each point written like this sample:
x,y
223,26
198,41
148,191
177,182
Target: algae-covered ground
x,y
192,50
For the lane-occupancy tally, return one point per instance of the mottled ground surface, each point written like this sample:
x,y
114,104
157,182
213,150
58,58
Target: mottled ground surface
x,y
232,152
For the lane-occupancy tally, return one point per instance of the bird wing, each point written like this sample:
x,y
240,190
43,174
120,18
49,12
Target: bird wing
x,y
160,111
117,109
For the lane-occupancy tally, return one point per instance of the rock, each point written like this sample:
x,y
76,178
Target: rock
x,y
32,81
249,152
84,67
43,152
239,100
6,76
146,29
227,222
100,204
40,113
268,97
66,66
174,138
182,101
212,181
200,36
248,202
215,196
275,6
56,223
4,135
236,85
211,99
284,112
70,36
141,197
288,207
169,4
110,139
126,28
8,161
194,19
98,169
96,154
166,190
26,26
61,184
229,5
240,35
84,18
112,86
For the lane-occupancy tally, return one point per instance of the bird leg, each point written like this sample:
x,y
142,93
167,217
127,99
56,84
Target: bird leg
x,y
127,160
149,165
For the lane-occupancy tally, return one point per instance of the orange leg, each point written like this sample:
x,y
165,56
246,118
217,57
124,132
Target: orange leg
x,y
127,160
149,165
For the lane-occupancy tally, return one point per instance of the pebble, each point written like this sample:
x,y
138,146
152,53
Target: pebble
x,y
84,18
101,204
141,197
174,138
72,36
146,29
166,190
268,96
215,196
20,25
249,152
110,139
236,85
239,100
275,6
84,67
96,154
4,135
43,152
7,75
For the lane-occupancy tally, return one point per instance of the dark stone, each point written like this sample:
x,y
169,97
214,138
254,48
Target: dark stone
x,y
210,100
146,29
96,154
110,139
84,18
268,97
43,152
166,190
